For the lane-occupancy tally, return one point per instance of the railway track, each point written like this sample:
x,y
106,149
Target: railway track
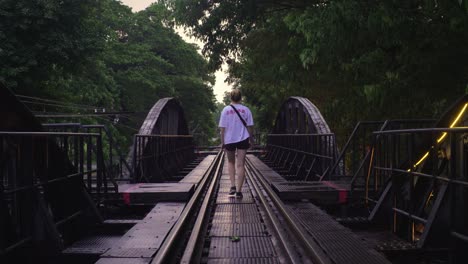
x,y
405,194
220,229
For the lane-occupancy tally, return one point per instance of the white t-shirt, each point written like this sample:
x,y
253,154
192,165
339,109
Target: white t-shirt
x,y
235,131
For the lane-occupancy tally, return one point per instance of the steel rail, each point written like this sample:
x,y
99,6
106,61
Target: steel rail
x,y
292,223
286,244
195,236
163,254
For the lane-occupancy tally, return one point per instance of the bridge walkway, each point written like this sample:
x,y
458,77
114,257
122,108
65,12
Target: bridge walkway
x,y
338,243
238,231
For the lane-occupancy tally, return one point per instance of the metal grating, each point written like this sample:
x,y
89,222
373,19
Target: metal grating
x,y
227,183
144,239
121,221
224,198
246,208
130,252
244,261
92,245
225,189
247,247
338,242
235,218
230,229
124,261
225,180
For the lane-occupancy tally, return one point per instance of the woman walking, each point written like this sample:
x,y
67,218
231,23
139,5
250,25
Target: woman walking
x,y
236,125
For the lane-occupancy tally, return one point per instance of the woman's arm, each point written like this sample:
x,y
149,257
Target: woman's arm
x,y
221,134
251,135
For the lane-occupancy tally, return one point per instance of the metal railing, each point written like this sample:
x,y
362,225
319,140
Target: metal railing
x,y
46,177
157,158
301,156
115,162
420,178
353,161
355,149
361,171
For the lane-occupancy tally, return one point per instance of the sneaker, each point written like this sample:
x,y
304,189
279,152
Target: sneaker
x,y
239,195
232,191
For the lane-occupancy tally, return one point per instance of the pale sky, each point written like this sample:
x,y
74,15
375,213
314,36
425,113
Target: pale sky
x,y
220,86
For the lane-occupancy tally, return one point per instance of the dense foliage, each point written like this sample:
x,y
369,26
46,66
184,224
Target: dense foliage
x,y
99,53
355,59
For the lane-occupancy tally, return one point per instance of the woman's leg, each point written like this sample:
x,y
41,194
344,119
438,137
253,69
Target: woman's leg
x,y
231,155
240,168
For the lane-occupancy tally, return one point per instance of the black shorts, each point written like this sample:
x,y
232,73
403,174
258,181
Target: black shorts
x,y
244,144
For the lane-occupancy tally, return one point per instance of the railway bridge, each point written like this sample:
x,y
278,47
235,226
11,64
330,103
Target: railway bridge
x,y
395,192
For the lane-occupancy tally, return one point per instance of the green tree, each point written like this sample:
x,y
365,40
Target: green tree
x,y
41,39
99,53
355,59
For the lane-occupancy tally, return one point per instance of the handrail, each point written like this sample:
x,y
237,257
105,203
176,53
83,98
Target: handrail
x,y
384,125
302,152
122,158
112,144
160,155
348,142
312,146
422,130
52,161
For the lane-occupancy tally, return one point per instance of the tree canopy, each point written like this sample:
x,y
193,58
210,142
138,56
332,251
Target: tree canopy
x,y
355,59
99,53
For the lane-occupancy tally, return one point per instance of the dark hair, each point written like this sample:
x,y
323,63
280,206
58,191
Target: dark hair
x,y
236,95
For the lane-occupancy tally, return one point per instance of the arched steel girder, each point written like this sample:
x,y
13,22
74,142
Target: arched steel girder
x,y
163,145
298,115
301,143
166,117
